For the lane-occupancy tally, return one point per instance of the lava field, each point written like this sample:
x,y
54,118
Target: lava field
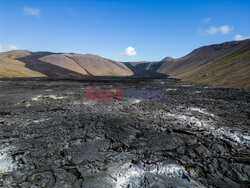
x,y
195,136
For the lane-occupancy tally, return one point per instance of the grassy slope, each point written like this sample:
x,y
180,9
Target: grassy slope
x,y
232,72
14,68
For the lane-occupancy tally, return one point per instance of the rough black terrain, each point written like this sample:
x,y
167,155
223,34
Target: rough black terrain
x,y
51,136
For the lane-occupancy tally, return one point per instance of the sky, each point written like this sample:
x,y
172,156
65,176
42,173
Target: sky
x,y
122,30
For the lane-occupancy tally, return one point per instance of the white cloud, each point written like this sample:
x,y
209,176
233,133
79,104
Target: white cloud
x,y
1,48
31,11
206,20
212,30
225,29
240,37
130,51
12,47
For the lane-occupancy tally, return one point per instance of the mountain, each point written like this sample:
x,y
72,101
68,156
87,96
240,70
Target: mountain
x,y
226,64
10,67
58,65
15,54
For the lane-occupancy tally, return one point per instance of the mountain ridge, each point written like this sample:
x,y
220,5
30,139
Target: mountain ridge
x,y
66,65
194,67
226,64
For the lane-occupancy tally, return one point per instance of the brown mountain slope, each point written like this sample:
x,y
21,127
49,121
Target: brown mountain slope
x,y
88,64
231,72
204,56
15,68
15,54
99,66
63,61
226,64
60,66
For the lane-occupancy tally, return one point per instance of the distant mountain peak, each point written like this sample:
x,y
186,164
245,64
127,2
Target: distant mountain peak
x,y
168,59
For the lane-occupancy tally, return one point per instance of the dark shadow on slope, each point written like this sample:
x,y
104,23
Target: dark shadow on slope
x,y
51,71
146,70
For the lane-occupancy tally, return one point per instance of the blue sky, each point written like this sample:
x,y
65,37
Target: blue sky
x,y
123,30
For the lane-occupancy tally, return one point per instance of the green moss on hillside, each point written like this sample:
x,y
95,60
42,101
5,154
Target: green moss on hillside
x,y
228,60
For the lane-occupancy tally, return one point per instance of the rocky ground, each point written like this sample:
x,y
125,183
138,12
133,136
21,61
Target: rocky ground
x,y
51,136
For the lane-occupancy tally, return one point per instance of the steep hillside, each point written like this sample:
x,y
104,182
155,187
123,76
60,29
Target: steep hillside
x,y
226,64
231,72
204,56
